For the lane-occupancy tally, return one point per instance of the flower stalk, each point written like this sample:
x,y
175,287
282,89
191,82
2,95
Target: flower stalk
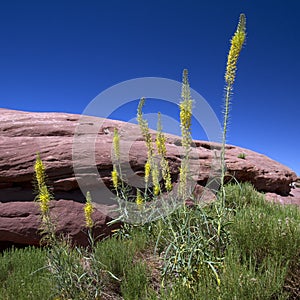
x,y
88,210
162,151
44,196
185,126
237,43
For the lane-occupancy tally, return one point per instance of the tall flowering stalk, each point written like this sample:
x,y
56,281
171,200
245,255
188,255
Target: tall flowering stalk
x,y
185,126
44,197
145,129
116,172
147,172
150,166
155,179
186,112
116,143
115,178
162,151
88,210
237,43
43,194
139,199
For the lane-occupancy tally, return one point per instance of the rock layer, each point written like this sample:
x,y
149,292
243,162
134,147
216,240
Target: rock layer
x,y
23,134
20,222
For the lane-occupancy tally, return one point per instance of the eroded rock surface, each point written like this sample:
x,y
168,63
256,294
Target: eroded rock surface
x,y
20,222
23,134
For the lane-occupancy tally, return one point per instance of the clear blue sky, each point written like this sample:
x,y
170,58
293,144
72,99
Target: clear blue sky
x,y
58,55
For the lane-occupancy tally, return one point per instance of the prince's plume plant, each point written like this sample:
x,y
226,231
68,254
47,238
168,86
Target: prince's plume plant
x,y
150,166
185,126
237,43
88,210
162,150
43,196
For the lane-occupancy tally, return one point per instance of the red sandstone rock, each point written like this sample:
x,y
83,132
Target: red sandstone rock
x,y
20,222
293,197
23,134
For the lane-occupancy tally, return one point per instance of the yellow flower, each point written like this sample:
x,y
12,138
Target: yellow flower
x,y
166,174
162,150
155,179
114,176
160,138
156,190
185,125
139,199
183,174
185,112
39,171
237,43
145,128
88,210
147,171
168,185
44,198
116,143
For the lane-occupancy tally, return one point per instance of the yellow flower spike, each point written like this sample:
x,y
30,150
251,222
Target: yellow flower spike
x,y
185,125
44,196
114,176
116,143
155,180
88,210
162,150
39,171
166,175
186,112
237,43
156,190
139,199
160,138
147,171
145,129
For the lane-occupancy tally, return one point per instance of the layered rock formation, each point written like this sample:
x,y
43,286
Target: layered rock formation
x,y
20,222
23,134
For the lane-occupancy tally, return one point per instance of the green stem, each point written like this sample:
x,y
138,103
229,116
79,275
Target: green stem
x,y
226,116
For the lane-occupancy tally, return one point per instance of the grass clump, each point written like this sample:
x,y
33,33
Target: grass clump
x,y
260,256
22,274
124,258
193,243
242,156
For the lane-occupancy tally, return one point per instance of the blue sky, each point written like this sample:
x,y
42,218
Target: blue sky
x,y
59,55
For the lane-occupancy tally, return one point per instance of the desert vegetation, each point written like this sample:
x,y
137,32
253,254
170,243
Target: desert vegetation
x,y
238,246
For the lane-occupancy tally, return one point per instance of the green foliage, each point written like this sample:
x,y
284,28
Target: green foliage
x,y
260,257
242,156
121,254
22,275
74,272
194,242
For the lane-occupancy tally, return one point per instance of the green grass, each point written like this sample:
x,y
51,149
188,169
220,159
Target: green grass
x,y
21,276
259,256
